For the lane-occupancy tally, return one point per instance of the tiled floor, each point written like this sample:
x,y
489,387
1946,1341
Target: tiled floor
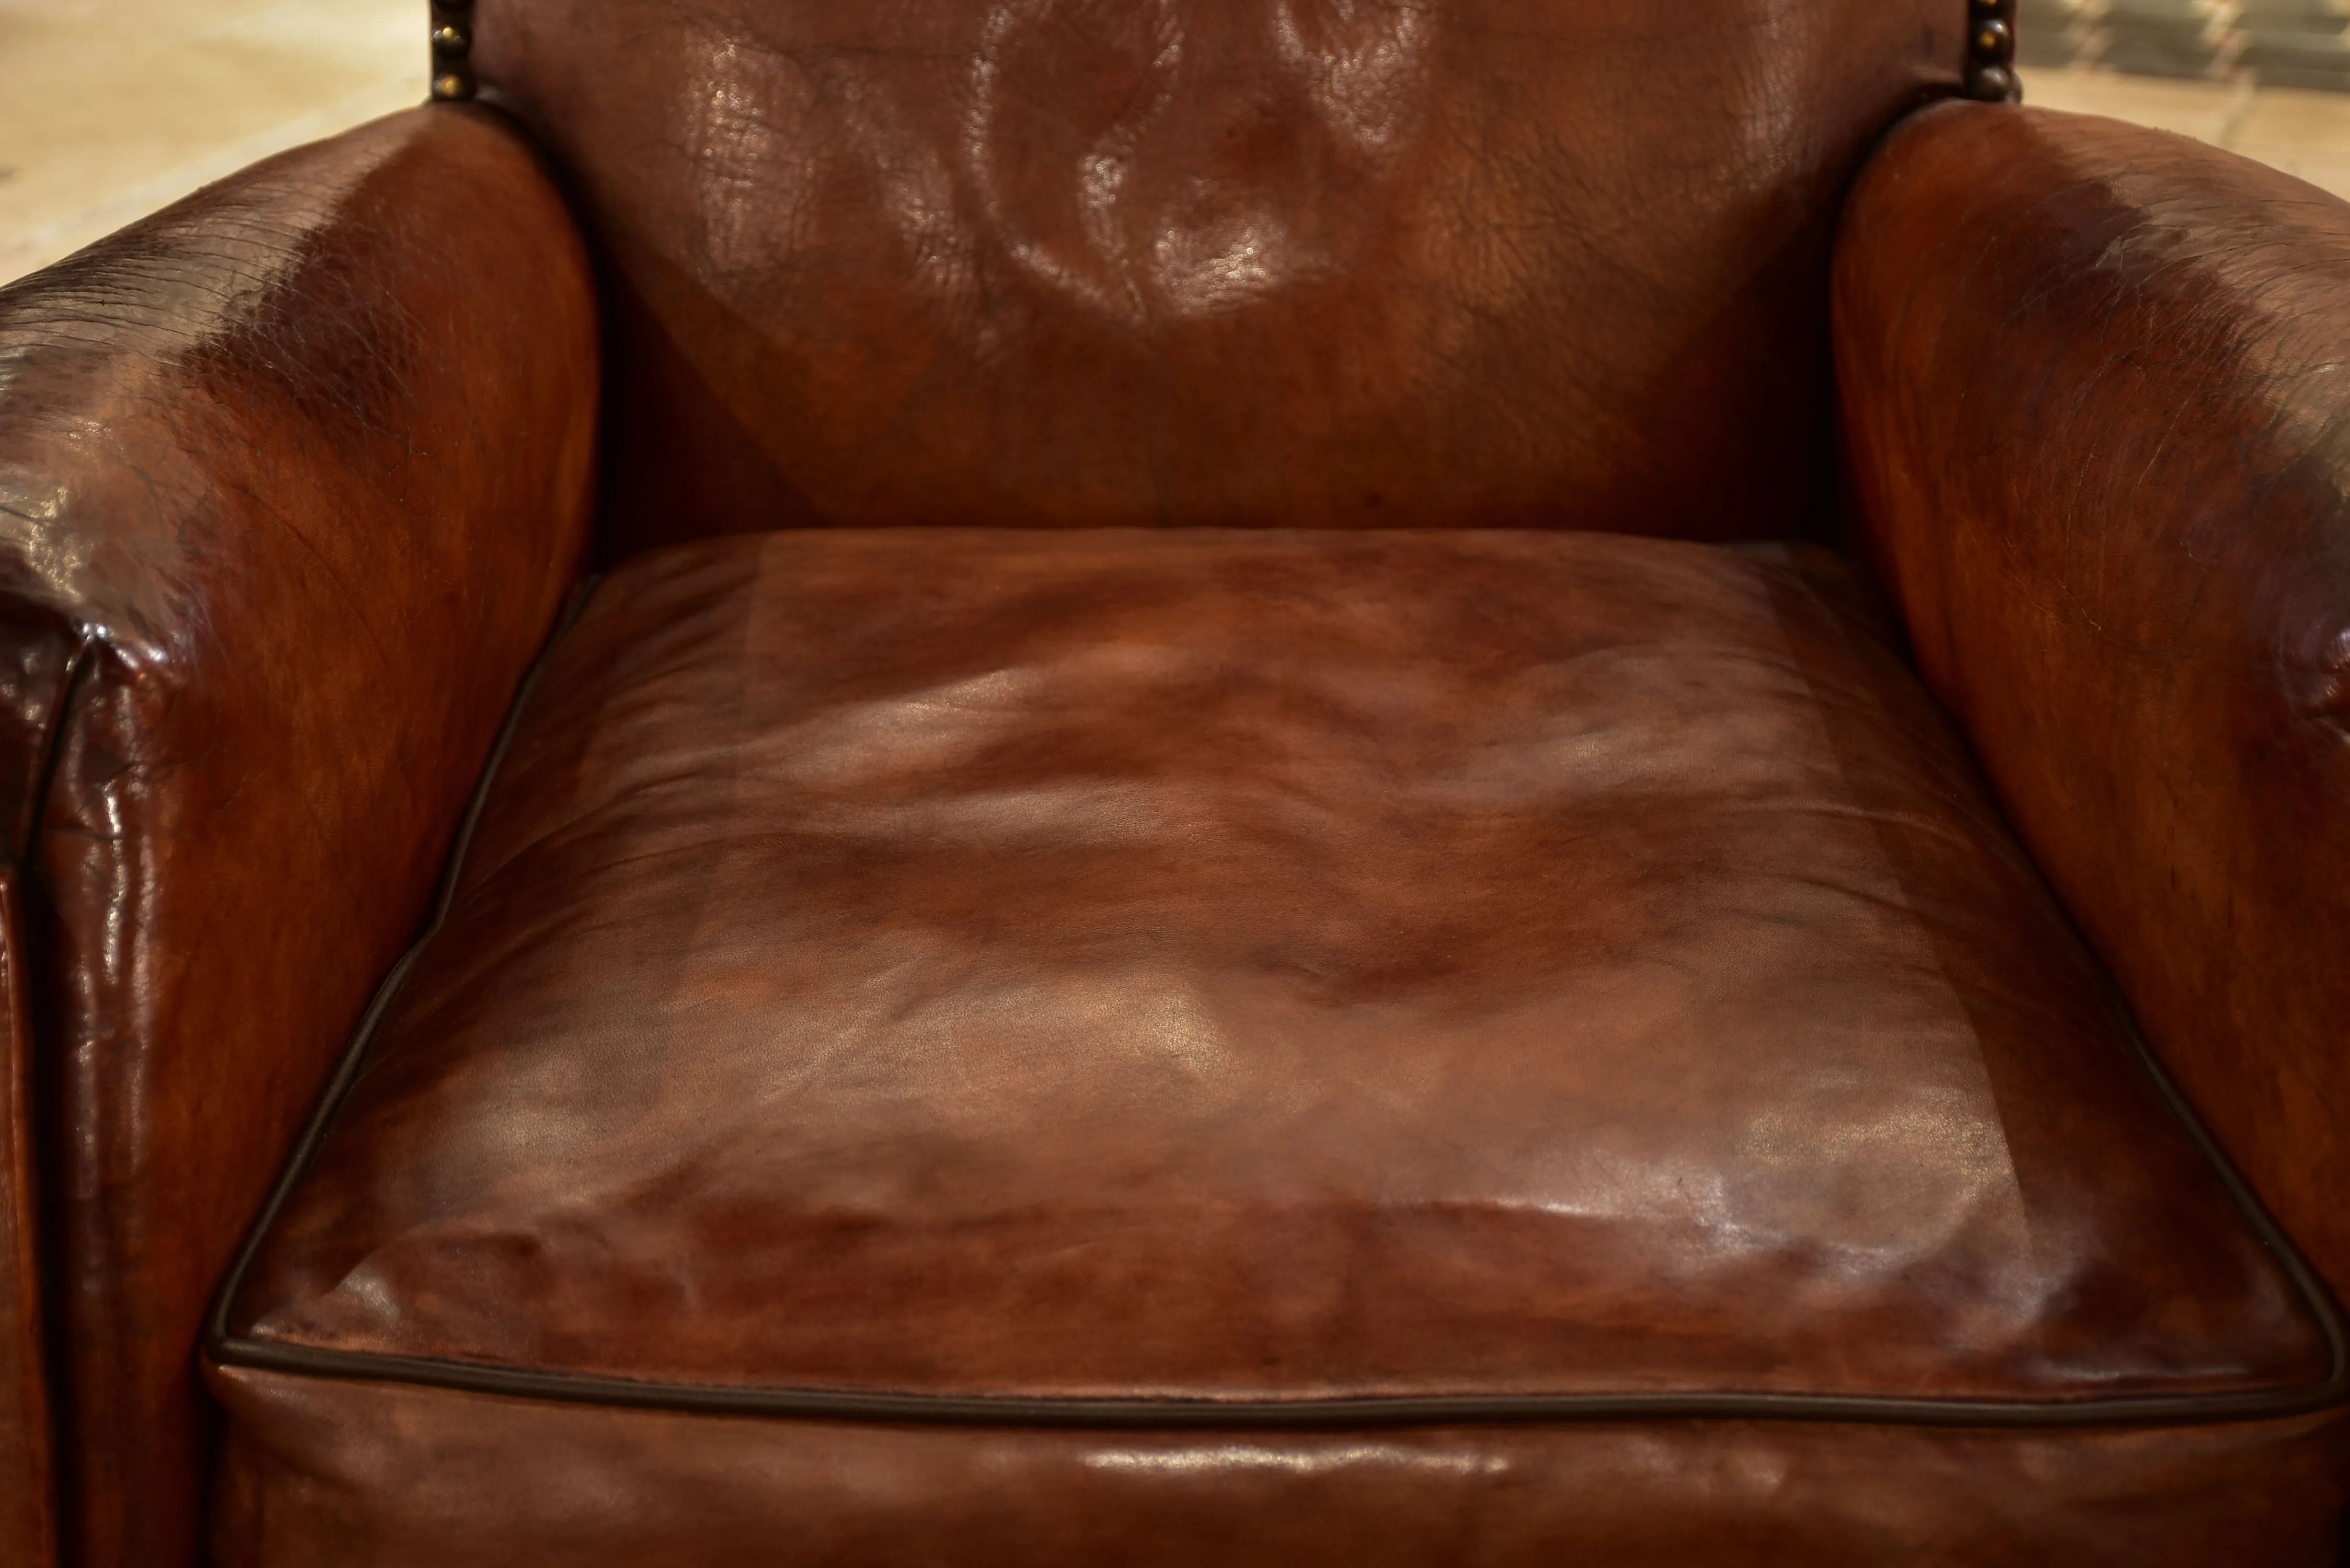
x,y
113,107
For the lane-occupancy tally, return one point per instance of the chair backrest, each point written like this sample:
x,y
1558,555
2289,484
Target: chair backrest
x,y
1256,262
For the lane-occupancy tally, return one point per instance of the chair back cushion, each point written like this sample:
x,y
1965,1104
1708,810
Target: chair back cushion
x,y
1319,263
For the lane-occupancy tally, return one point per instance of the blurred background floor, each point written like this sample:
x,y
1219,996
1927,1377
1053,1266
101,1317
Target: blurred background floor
x,y
114,108
2304,132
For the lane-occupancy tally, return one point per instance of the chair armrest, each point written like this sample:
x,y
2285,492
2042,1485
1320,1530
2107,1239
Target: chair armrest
x,y
2096,412
294,478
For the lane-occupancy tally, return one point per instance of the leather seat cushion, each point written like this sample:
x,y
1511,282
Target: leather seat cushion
x,y
1138,979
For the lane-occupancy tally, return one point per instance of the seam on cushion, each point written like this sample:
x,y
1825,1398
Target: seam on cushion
x,y
228,1349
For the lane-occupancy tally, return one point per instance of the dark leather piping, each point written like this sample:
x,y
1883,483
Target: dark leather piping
x,y
1193,1414
1229,1415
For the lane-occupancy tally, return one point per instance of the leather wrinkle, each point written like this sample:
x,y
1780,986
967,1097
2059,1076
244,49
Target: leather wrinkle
x,y
230,1349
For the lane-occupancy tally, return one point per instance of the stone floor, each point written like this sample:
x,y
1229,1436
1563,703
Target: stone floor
x,y
113,107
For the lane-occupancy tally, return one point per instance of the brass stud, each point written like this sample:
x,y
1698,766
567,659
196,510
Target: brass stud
x,y
1990,53
453,40
1994,84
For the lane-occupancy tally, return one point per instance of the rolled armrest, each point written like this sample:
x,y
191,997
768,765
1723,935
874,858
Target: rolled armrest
x,y
294,478
2096,387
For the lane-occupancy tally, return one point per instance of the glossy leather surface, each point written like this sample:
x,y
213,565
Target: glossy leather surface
x,y
2096,409
1484,262
293,478
1259,967
377,1475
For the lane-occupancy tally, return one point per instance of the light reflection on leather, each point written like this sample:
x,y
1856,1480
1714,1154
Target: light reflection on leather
x,y
1324,263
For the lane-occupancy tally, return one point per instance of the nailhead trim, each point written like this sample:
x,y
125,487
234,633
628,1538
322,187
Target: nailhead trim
x,y
452,49
1990,52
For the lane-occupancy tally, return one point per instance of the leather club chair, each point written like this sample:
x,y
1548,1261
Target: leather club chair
x,y
1183,781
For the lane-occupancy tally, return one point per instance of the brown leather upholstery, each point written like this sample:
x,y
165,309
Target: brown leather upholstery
x,y
2096,403
1050,1043
292,479
379,1475
1238,976
1288,261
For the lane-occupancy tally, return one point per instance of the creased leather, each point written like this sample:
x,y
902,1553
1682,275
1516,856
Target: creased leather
x,y
1255,966
2095,406
292,479
1481,262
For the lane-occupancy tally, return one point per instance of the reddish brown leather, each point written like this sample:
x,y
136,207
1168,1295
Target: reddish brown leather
x,y
292,479
2095,401
1259,966
379,1475
1256,262
29,1525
